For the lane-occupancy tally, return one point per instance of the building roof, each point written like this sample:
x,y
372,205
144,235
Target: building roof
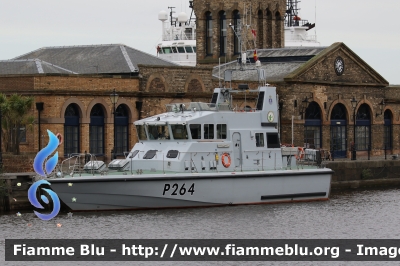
x,y
277,63
30,66
96,59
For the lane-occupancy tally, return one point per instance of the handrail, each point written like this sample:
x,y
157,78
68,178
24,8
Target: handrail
x,y
77,163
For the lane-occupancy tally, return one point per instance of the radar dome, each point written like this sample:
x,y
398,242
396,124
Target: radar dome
x,y
163,16
182,17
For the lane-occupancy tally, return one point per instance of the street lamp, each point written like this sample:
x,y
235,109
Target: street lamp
x,y
304,106
114,100
39,108
354,105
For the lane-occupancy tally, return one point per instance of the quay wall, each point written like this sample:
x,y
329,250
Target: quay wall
x,y
365,174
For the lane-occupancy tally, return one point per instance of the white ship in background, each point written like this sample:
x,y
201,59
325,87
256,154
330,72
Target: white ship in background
x,y
178,43
296,29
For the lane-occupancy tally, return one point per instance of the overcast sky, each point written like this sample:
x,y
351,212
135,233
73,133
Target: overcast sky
x,y
370,28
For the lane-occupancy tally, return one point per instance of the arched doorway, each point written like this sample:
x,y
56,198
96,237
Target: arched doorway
x,y
96,130
363,128
388,131
121,130
71,130
313,126
339,131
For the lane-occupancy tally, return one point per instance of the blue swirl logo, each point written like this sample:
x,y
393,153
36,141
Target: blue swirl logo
x,y
32,198
49,165
44,153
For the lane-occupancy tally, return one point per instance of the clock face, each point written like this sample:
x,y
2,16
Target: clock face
x,y
339,66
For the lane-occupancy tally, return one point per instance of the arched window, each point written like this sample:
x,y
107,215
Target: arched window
x,y
363,128
338,131
269,28
278,29
209,34
222,33
236,37
260,33
121,130
71,130
312,126
388,129
96,130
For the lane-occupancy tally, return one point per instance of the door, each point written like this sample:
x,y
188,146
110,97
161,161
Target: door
x,y
237,149
338,139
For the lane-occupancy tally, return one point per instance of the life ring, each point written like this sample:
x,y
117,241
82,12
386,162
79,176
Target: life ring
x,y
60,138
224,163
300,153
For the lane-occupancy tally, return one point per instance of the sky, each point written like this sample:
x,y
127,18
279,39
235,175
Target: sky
x,y
368,27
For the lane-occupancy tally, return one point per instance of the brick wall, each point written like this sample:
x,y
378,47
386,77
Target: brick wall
x,y
57,92
13,84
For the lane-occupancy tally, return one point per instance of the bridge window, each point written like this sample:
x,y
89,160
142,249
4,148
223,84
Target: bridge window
x,y
158,132
189,49
208,131
181,49
260,139
179,131
273,140
195,131
167,50
141,132
221,131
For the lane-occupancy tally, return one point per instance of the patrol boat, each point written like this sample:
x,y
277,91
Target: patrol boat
x,y
199,154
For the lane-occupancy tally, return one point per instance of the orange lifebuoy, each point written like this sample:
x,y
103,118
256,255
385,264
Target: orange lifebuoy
x,y
300,153
224,163
60,138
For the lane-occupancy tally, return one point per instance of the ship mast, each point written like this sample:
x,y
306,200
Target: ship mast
x,y
292,18
292,12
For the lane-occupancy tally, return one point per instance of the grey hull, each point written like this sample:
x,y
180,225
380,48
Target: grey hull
x,y
173,191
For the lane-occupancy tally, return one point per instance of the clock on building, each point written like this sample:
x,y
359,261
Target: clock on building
x,y
339,66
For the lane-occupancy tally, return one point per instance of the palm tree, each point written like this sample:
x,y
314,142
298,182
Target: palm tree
x,y
15,110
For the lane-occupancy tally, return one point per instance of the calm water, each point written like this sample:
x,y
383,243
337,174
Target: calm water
x,y
360,214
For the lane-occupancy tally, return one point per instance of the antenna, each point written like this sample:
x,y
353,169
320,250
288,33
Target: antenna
x,y
219,71
315,30
170,14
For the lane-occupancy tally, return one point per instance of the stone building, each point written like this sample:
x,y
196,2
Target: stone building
x,y
320,89
317,87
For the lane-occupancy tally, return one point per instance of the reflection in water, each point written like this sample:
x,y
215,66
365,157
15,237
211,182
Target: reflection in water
x,y
361,214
